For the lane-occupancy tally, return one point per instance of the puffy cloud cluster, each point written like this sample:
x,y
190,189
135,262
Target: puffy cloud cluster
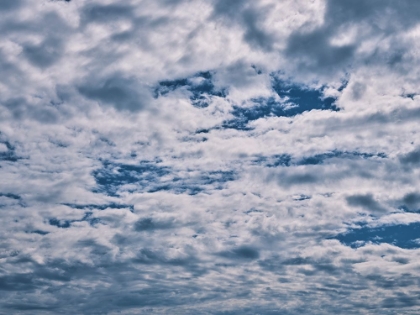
x,y
209,157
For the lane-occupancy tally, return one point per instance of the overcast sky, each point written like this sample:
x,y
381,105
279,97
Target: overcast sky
x,y
209,157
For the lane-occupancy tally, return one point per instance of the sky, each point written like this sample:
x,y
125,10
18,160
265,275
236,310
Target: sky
x,y
209,157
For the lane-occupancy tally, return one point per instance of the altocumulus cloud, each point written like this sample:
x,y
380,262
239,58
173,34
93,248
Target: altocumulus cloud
x,y
209,157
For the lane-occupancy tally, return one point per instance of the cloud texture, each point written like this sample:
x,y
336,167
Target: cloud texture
x,y
209,157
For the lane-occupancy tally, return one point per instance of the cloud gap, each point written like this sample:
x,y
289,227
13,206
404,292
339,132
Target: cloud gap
x,y
199,87
292,99
405,236
152,177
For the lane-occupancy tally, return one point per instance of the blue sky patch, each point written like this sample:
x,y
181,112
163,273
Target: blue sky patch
x,y
401,235
410,95
64,224
39,232
274,160
320,158
193,185
8,198
278,160
60,223
147,177
10,154
99,207
200,88
112,176
406,209
295,99
11,196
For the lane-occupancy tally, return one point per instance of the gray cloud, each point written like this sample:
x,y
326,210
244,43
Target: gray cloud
x,y
315,52
313,49
44,54
242,253
149,224
249,17
365,201
411,159
8,5
97,13
120,92
358,11
412,199
21,109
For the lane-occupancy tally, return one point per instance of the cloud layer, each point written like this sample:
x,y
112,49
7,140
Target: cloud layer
x,y
209,157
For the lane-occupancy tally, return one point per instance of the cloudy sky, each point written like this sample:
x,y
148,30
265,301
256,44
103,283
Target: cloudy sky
x,y
209,157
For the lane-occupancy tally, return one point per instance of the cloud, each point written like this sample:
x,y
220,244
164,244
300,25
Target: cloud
x,y
9,5
345,37
44,54
122,93
96,13
20,109
249,17
315,52
149,224
411,158
365,201
209,157
242,253
412,199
